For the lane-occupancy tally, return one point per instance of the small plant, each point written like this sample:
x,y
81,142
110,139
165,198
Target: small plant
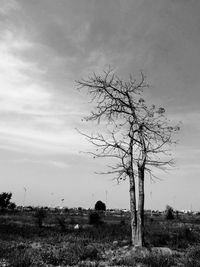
x,y
61,222
169,213
40,215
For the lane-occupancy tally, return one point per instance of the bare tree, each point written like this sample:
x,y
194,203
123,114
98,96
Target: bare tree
x,y
136,135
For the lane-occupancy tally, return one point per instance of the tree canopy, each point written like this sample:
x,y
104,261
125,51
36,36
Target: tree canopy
x,y
100,206
137,134
5,200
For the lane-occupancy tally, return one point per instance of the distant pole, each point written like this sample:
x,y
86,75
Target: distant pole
x,y
52,199
174,202
92,200
62,201
106,198
24,196
61,208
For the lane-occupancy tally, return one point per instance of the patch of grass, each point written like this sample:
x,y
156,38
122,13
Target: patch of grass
x,y
90,243
106,233
154,260
64,253
25,258
173,235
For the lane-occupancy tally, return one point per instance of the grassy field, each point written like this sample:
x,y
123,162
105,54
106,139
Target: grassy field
x,y
55,242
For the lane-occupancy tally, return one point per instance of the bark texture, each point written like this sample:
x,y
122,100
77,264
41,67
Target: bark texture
x,y
133,208
139,241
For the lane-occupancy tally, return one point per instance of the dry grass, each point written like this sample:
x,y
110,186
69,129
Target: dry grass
x,y
23,243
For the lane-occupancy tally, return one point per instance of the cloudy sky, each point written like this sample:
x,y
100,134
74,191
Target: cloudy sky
x,y
45,45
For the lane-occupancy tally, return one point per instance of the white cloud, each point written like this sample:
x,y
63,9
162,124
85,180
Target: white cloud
x,y
58,164
18,91
30,118
8,5
53,163
34,141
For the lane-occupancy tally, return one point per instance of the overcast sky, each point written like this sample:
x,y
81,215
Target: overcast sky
x,y
45,45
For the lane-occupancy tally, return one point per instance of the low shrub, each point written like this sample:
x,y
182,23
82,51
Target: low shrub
x,y
158,260
94,218
60,254
72,221
5,249
68,253
40,215
25,257
192,258
183,237
151,260
90,252
106,233
169,213
122,222
61,222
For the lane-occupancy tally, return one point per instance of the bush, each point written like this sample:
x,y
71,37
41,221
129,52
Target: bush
x,y
12,206
5,200
192,258
94,218
183,237
169,213
61,222
90,252
40,215
100,206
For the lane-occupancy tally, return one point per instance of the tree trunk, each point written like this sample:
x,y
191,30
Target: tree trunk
x,y
133,207
139,241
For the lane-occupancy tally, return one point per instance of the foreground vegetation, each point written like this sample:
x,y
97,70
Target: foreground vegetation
x,y
55,242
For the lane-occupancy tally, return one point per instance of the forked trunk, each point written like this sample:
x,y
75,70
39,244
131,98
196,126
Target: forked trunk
x,y
133,208
139,241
